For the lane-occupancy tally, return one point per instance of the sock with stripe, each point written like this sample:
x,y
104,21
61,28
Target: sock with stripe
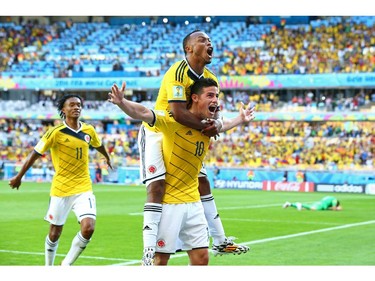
x,y
151,220
50,249
79,243
215,226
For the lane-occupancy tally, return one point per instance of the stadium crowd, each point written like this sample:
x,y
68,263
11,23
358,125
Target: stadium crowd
x,y
305,101
24,42
339,46
289,145
344,47
297,145
308,100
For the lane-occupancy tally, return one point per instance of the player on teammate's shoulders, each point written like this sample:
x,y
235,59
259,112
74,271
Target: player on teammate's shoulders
x,y
184,150
173,96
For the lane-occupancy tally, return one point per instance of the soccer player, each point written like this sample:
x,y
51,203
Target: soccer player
x,y
71,187
184,149
173,96
326,203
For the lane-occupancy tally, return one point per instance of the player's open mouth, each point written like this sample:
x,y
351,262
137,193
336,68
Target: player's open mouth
x,y
213,108
210,51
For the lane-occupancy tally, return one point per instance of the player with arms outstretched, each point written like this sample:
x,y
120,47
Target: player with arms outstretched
x,y
173,96
184,149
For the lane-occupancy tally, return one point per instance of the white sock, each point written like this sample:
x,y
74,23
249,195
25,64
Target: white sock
x,y
50,249
78,245
213,219
151,220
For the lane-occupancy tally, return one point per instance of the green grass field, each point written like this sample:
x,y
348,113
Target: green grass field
x,y
276,236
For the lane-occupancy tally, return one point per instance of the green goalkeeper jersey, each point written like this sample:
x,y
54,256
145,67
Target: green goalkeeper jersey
x,y
326,203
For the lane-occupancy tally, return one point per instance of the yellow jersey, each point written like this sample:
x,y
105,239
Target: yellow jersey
x,y
184,150
70,157
175,86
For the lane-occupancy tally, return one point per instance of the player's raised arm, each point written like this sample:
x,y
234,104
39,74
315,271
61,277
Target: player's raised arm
x,y
245,115
133,109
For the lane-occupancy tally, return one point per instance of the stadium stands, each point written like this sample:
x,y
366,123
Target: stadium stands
x,y
63,49
119,47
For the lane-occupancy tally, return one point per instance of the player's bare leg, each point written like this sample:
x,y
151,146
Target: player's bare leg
x,y
161,259
198,257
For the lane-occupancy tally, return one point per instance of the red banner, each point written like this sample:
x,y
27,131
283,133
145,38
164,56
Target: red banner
x,y
288,186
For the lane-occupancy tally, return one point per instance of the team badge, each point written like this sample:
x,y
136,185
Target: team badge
x,y
160,243
178,92
87,138
151,169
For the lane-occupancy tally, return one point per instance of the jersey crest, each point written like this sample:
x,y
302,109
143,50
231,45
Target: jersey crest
x,y
87,138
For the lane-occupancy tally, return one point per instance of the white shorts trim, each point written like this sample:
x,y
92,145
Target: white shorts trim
x,y
83,205
202,172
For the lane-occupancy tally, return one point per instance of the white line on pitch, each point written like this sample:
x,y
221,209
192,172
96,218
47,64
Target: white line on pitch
x,y
275,238
61,255
281,221
179,255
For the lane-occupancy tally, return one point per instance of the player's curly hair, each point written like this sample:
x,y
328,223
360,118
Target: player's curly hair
x,y
62,100
186,39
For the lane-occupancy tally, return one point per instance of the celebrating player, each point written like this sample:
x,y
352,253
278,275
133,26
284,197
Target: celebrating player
x,y
184,149
173,96
71,187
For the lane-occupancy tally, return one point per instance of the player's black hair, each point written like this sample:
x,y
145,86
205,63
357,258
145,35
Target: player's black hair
x,y
62,100
186,39
338,203
198,85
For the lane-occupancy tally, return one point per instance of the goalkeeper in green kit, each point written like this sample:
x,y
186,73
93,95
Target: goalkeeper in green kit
x,y
326,203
